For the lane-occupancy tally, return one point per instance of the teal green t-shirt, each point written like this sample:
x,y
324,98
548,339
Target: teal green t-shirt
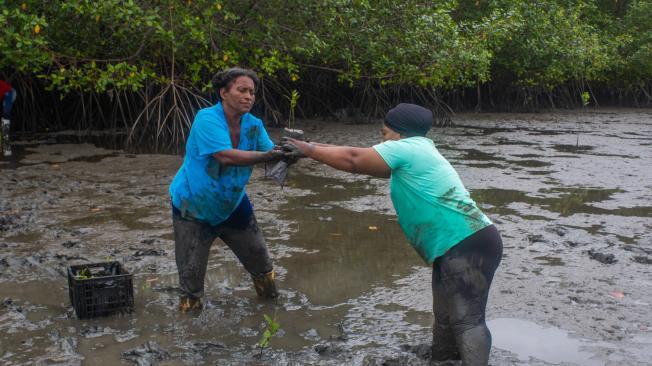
x,y
434,209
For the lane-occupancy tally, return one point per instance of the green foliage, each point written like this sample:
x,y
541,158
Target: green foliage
x,y
549,45
116,44
636,44
86,46
21,46
271,327
409,42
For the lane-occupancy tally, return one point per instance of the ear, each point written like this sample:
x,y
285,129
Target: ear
x,y
222,90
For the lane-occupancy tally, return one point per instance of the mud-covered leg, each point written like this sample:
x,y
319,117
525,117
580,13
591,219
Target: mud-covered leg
x,y
471,333
249,246
444,346
466,273
192,243
4,136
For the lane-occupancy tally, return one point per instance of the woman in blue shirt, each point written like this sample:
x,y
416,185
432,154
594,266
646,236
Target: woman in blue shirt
x,y
208,192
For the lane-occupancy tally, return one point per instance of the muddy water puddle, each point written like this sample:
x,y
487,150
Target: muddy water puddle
x,y
530,341
571,199
561,201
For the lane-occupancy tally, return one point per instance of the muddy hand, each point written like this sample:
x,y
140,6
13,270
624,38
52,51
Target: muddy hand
x,y
275,154
297,148
291,152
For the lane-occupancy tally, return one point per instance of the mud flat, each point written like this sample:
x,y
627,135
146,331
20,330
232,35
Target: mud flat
x,y
570,192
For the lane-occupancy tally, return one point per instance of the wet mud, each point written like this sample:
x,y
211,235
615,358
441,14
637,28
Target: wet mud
x,y
569,191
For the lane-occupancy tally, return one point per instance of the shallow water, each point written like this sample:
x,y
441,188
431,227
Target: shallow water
x,y
528,339
353,291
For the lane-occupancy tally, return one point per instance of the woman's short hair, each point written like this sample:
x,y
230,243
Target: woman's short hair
x,y
224,79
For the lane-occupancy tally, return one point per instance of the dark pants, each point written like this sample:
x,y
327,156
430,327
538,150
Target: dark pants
x,y
193,240
7,103
460,285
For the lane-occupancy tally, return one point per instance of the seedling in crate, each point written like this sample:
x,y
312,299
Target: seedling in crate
x,y
84,274
100,289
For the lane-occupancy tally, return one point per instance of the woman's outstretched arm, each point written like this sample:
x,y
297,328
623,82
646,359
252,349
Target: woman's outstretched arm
x,y
359,160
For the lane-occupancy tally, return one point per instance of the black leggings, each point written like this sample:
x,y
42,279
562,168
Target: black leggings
x,y
460,285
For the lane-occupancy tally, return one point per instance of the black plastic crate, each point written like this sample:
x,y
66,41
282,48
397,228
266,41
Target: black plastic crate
x,y
109,289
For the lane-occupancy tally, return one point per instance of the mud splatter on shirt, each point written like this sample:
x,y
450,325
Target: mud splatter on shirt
x,y
434,209
202,188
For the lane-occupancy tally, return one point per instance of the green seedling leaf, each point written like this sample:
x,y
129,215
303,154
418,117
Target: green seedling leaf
x,y
271,327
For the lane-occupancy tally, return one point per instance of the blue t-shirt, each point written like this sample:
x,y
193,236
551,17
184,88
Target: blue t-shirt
x,y
203,189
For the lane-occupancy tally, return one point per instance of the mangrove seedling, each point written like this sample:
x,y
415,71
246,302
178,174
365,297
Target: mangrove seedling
x,y
294,99
271,327
84,274
586,97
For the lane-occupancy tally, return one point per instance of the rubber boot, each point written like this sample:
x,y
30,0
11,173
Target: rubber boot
x,y
265,285
6,148
189,303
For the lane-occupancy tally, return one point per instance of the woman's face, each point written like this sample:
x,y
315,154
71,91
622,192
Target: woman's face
x,y
240,95
389,134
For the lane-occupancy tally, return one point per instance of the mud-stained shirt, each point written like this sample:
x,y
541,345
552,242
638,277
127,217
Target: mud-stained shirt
x,y
203,189
434,209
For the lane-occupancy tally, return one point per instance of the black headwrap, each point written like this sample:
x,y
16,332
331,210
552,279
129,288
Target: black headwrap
x,y
409,119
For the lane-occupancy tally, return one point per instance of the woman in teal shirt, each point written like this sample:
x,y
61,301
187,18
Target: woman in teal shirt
x,y
439,219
